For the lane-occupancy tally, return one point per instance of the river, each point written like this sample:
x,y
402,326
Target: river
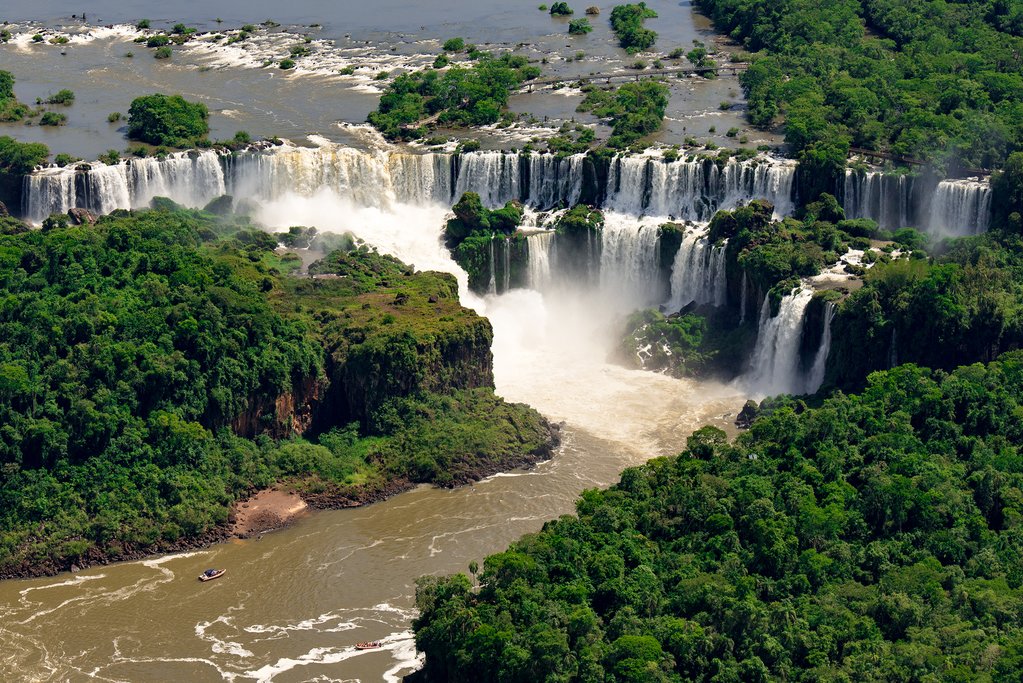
x,y
295,602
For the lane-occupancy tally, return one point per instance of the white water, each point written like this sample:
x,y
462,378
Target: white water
x,y
698,274
774,368
961,207
686,188
950,208
695,189
628,262
815,378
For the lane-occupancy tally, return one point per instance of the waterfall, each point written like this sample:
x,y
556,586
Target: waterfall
x,y
628,261
815,377
494,176
774,368
539,246
960,207
555,180
698,273
949,208
506,247
742,300
695,189
492,286
885,198
189,178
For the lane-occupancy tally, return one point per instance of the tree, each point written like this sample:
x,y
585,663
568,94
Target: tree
x,y
167,120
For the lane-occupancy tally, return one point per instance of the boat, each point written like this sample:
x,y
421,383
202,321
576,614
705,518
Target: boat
x,y
369,645
211,574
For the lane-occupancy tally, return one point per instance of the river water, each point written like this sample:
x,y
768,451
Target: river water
x,y
295,602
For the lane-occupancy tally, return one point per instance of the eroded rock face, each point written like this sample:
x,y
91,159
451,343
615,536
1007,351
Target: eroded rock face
x,y
81,216
747,415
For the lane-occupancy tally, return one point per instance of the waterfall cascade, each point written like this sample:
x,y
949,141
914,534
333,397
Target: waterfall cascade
x,y
698,274
695,189
949,208
815,377
629,276
686,188
774,368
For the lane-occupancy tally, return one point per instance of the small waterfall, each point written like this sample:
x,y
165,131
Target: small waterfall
x,y
492,264
494,176
742,300
815,377
695,189
554,180
774,368
949,208
628,261
506,280
189,178
960,207
885,198
698,274
539,246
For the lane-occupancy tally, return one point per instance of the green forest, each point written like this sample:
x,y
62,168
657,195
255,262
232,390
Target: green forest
x,y
160,365
873,538
930,79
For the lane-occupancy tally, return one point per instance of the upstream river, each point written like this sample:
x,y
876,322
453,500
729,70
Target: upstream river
x,y
295,602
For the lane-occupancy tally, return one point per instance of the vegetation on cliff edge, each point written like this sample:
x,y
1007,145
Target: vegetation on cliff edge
x,y
157,366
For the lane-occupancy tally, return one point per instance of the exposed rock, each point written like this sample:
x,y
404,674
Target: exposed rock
x,y
747,415
81,216
3,210
593,10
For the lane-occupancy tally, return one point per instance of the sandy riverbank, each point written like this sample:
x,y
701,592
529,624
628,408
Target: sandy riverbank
x,y
266,510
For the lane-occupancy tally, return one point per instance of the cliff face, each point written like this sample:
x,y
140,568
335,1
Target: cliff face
x,y
287,414
387,333
365,375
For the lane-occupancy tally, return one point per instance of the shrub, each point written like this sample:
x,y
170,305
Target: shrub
x,y
158,40
38,38
454,45
561,9
114,116
627,23
59,40
111,157
346,70
163,52
61,97
300,50
143,24
167,120
287,64
382,76
52,118
579,27
63,159
732,132
441,62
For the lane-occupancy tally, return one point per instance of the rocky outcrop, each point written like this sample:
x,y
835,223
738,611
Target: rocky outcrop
x,y
81,216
